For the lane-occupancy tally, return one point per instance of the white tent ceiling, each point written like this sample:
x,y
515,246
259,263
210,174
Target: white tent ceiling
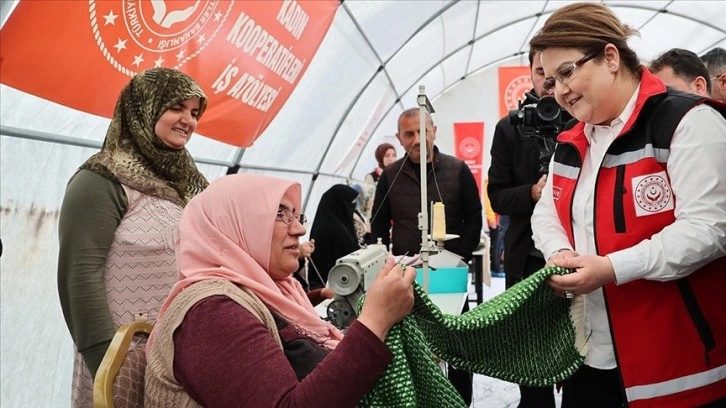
x,y
365,73
368,70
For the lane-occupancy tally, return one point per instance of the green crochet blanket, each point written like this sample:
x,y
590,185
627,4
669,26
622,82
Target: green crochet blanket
x,y
526,335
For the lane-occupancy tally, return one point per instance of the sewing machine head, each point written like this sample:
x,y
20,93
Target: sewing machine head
x,y
350,278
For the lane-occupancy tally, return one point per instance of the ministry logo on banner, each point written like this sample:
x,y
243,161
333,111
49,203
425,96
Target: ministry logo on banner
x,y
514,82
136,35
469,142
248,56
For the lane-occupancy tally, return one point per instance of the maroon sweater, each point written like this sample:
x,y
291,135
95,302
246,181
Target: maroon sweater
x,y
225,357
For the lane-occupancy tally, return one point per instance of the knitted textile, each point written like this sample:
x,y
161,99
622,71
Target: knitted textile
x,y
527,335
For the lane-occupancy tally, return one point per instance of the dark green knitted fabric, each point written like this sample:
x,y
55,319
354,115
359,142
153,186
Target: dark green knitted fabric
x,y
526,335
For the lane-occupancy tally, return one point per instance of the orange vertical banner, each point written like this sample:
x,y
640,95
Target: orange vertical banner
x,y
248,56
514,82
469,140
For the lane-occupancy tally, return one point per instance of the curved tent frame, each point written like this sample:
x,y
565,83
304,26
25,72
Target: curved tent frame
x,y
362,15
364,74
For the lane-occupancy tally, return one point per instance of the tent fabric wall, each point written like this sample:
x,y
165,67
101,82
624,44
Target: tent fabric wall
x,y
366,72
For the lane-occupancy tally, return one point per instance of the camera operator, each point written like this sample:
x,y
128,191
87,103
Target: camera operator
x,y
515,185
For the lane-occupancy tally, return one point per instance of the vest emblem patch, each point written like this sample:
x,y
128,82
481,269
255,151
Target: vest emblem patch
x,y
556,192
652,194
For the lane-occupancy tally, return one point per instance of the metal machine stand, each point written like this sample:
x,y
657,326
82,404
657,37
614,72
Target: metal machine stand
x,y
425,108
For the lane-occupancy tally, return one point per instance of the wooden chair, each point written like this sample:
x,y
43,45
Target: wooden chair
x,y
119,381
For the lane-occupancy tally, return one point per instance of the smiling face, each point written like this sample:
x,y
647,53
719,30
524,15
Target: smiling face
x,y
285,246
409,133
587,94
176,124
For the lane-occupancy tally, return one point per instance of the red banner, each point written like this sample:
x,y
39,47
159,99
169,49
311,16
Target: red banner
x,y
469,140
514,82
248,56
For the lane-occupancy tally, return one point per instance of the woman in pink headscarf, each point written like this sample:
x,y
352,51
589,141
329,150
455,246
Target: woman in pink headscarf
x,y
238,329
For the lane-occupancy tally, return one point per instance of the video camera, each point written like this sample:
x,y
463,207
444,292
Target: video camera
x,y
543,120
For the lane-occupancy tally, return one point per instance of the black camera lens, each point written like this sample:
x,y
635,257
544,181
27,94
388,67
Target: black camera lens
x,y
548,110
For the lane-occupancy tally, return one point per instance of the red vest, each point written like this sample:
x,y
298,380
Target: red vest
x,y
669,337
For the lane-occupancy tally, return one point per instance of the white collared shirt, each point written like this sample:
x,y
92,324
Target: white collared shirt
x,y
697,171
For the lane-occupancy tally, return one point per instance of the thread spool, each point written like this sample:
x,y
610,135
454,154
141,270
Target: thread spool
x,y
439,223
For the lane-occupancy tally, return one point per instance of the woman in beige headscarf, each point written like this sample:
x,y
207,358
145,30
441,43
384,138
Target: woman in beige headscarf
x,y
120,214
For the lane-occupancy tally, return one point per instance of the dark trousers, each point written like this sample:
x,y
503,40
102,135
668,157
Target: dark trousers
x,y
531,265
531,397
536,397
494,265
590,387
500,253
463,381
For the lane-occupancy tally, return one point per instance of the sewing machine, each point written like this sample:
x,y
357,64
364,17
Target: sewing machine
x,y
350,278
353,274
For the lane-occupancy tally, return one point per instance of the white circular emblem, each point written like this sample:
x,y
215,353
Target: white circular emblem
x,y
135,35
652,193
515,90
469,147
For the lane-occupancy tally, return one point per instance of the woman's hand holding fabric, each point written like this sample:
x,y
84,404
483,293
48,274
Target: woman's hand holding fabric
x,y
591,272
389,299
558,256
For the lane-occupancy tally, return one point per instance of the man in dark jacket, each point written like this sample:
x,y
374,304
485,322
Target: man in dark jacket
x,y
515,186
397,202
449,181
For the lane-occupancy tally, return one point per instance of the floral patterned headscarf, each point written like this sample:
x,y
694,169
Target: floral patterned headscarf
x,y
134,155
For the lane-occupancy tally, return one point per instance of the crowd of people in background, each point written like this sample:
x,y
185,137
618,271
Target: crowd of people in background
x,y
633,202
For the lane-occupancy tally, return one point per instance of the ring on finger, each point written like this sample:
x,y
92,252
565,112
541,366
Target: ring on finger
x,y
569,294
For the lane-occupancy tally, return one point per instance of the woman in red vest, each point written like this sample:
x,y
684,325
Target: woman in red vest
x,y
635,204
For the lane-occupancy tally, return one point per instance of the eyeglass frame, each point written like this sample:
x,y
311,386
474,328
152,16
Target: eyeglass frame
x,y
718,76
561,78
286,216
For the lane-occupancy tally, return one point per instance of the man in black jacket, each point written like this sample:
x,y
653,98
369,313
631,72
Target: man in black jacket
x,y
397,201
515,186
449,180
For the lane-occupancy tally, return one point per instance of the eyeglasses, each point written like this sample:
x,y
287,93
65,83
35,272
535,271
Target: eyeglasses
x,y
286,215
564,74
718,76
